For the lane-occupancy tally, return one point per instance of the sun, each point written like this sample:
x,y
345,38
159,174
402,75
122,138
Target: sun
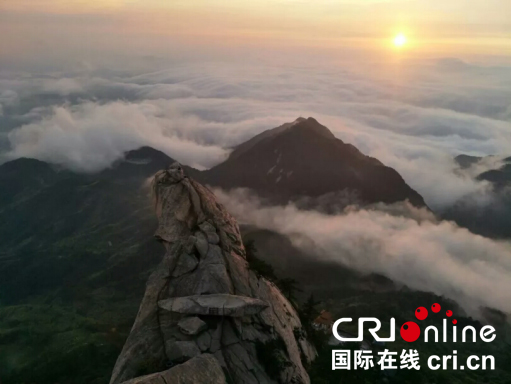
x,y
400,40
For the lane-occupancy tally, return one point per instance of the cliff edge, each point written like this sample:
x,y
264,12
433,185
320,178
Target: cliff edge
x,y
205,316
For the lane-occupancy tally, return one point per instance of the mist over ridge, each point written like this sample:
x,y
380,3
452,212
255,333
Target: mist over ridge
x,y
405,244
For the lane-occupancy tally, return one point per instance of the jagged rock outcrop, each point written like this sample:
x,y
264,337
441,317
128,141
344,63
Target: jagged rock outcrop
x,y
203,300
203,369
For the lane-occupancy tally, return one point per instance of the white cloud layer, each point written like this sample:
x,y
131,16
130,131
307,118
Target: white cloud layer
x,y
426,255
414,116
90,137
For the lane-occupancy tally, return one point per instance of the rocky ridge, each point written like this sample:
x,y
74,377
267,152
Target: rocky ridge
x,y
203,306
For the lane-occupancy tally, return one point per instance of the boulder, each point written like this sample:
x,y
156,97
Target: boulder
x,y
192,325
201,243
213,256
189,245
229,335
210,231
207,227
186,264
204,341
212,279
180,351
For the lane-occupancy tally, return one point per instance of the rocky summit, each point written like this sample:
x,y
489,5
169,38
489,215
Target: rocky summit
x,y
303,160
205,316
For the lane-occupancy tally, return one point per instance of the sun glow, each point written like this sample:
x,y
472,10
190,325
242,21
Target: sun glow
x,y
400,40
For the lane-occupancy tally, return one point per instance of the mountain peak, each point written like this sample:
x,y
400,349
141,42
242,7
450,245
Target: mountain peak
x,y
299,120
145,155
311,126
304,159
301,125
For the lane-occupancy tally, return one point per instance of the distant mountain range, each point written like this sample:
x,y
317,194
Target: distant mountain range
x,y
488,215
500,177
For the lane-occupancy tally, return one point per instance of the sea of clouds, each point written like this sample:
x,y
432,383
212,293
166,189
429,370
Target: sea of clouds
x,y
407,245
413,115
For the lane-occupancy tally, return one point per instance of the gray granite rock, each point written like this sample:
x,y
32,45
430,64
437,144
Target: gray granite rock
x,y
207,227
186,264
210,231
205,273
189,245
240,366
203,341
192,325
220,358
212,279
216,339
204,369
201,243
214,255
229,335
181,351
213,238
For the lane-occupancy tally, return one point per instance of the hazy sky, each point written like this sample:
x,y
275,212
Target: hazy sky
x,y
83,81
80,28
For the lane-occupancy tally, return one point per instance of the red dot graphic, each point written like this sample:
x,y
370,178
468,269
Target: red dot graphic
x,y
421,313
410,331
436,308
448,313
455,321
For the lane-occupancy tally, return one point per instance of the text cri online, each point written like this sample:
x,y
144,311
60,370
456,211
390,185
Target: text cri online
x,y
430,335
473,362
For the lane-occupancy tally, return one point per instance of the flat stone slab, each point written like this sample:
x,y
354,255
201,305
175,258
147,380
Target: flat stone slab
x,y
214,305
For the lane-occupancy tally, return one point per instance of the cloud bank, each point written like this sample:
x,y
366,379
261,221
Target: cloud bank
x,y
426,255
90,137
414,116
